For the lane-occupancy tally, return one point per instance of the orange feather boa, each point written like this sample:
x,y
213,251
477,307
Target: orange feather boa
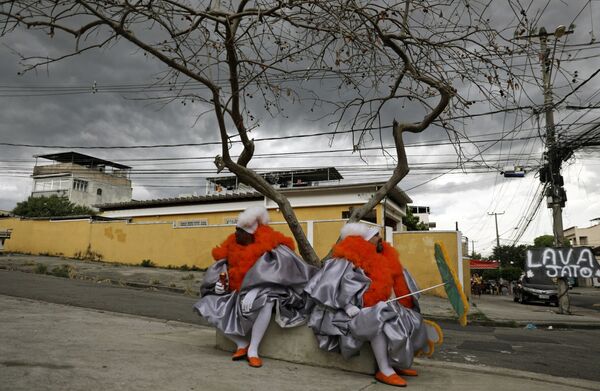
x,y
384,269
241,258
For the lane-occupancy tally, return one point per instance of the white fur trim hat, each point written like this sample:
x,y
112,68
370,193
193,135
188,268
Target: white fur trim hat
x,y
249,219
358,229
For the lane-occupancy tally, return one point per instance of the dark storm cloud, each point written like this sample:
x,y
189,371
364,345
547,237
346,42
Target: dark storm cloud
x,y
91,118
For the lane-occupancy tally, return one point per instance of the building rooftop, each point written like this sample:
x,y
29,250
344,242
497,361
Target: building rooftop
x,y
176,201
294,178
81,159
396,195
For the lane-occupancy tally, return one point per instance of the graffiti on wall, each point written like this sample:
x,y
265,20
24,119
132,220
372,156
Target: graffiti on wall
x,y
563,262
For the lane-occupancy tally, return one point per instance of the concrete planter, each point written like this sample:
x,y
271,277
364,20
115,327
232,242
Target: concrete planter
x,y
299,345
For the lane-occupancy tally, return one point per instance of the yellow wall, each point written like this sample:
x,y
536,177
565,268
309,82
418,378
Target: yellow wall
x,y
467,278
163,244
216,218
417,255
316,213
119,241
46,237
325,235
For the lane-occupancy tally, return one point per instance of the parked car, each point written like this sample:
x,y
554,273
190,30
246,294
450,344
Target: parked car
x,y
537,288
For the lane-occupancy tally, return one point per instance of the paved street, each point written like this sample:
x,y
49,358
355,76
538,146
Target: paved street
x,y
504,309
541,350
45,346
572,353
82,293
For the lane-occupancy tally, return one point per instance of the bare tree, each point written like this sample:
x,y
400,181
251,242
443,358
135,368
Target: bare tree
x,y
391,58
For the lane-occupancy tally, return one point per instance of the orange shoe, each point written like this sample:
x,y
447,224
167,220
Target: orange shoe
x,y
254,362
407,372
240,354
392,380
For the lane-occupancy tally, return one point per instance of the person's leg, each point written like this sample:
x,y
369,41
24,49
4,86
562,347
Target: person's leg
x,y
386,373
242,346
379,346
259,328
238,340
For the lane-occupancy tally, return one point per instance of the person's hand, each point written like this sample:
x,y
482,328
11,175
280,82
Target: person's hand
x,y
352,310
248,300
219,288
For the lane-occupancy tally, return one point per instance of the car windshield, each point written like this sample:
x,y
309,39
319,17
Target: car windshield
x,y
538,278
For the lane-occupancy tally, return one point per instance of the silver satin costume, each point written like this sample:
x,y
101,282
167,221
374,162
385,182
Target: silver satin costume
x,y
339,284
279,274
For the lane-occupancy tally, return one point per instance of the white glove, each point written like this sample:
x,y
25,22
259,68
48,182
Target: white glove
x,y
219,288
352,310
249,299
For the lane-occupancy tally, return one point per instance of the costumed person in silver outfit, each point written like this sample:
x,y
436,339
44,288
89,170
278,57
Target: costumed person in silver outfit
x,y
350,293
255,271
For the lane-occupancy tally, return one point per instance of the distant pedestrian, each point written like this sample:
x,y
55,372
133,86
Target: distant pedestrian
x,y
476,285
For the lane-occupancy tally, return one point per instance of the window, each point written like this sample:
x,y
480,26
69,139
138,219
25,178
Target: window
x,y
231,220
583,240
192,223
99,192
52,184
371,217
80,185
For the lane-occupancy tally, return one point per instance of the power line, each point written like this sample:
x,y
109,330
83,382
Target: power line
x,y
179,145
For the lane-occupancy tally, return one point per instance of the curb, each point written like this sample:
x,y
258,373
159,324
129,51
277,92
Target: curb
x,y
519,323
141,285
515,373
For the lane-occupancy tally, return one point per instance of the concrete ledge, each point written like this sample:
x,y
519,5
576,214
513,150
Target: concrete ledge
x,y
299,345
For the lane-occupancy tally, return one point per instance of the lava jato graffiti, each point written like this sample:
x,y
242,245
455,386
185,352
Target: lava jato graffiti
x,y
563,262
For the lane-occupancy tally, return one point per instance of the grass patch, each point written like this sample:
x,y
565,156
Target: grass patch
x,y
147,263
478,316
189,291
88,255
41,269
192,268
63,271
184,268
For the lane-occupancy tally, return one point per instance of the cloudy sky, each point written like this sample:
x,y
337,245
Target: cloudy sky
x,y
97,99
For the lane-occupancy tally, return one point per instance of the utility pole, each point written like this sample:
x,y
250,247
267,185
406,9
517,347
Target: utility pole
x,y
556,197
497,234
550,173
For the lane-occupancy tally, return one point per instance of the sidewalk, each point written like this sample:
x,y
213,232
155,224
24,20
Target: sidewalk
x,y
485,310
47,346
175,280
502,309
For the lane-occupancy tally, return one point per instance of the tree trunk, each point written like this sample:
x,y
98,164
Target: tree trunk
x,y
257,182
